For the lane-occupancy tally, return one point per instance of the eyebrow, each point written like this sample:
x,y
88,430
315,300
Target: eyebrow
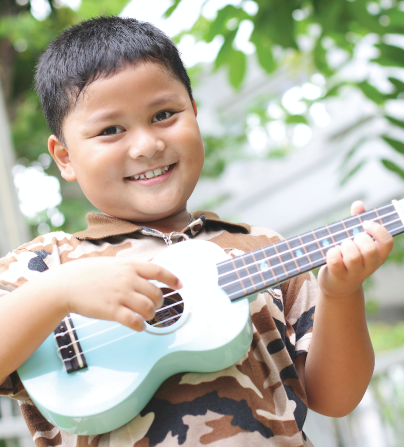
x,y
165,98
106,116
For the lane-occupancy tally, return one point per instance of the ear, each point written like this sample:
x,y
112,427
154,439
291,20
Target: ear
x,y
61,156
194,107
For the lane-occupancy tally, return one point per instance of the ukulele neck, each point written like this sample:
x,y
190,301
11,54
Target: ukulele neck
x,y
276,263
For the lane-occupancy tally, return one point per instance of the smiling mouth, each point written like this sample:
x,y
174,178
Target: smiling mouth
x,y
151,174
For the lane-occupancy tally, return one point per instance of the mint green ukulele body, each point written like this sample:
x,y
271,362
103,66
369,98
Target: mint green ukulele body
x,y
125,368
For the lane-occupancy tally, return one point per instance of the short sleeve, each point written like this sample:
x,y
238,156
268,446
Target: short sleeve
x,y
16,268
300,295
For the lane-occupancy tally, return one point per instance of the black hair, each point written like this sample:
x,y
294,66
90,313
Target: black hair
x,y
95,49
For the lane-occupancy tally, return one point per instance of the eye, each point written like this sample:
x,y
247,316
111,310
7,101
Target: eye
x,y
161,116
112,130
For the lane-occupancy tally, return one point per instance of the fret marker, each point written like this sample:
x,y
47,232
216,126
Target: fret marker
x,y
264,266
325,243
355,230
299,253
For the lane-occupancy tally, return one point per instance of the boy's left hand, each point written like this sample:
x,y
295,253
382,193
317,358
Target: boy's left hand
x,y
350,263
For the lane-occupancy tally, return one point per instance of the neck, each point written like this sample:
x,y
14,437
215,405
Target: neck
x,y
175,222
271,265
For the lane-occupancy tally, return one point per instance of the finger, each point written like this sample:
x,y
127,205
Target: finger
x,y
351,256
368,250
149,290
128,318
141,304
357,207
384,240
334,261
148,270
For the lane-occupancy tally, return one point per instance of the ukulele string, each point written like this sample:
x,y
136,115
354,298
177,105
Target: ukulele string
x,y
89,336
111,341
297,269
120,325
262,282
170,305
61,334
290,250
327,226
283,263
100,346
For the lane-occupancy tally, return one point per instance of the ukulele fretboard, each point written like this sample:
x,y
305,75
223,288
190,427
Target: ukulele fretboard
x,y
276,263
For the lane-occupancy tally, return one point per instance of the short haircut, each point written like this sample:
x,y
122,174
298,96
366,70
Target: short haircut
x,y
95,49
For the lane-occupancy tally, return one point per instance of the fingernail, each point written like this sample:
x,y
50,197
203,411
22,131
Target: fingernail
x,y
366,224
180,285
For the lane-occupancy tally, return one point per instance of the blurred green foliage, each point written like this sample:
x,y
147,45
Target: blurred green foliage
x,y
386,337
307,32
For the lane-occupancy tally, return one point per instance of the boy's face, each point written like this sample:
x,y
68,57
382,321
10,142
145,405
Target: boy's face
x,y
133,144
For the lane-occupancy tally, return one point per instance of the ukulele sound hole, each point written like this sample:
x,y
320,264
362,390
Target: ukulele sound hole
x,y
170,312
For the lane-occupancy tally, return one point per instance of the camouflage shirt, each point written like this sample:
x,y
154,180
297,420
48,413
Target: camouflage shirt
x,y
258,401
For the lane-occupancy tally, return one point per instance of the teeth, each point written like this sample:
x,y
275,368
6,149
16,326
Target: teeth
x,y
151,174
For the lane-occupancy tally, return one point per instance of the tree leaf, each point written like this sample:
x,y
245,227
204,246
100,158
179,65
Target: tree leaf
x,y
396,25
347,130
390,55
353,171
399,85
352,151
393,167
264,51
218,26
93,8
320,59
395,121
362,21
296,119
372,93
225,52
237,68
334,91
332,15
167,13
395,144
274,19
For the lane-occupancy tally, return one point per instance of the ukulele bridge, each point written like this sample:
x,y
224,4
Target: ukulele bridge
x,y
68,346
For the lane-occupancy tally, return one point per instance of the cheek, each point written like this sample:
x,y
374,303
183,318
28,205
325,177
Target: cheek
x,y
96,164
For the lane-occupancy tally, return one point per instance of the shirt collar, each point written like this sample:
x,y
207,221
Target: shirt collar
x,y
101,226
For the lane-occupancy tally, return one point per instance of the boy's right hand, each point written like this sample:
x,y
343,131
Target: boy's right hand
x,y
106,288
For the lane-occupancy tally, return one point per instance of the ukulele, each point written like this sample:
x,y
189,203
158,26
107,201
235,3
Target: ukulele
x,y
93,376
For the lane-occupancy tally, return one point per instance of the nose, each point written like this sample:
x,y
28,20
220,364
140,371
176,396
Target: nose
x,y
145,144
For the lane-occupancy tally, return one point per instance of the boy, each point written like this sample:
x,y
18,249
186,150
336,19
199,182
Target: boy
x,y
119,103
